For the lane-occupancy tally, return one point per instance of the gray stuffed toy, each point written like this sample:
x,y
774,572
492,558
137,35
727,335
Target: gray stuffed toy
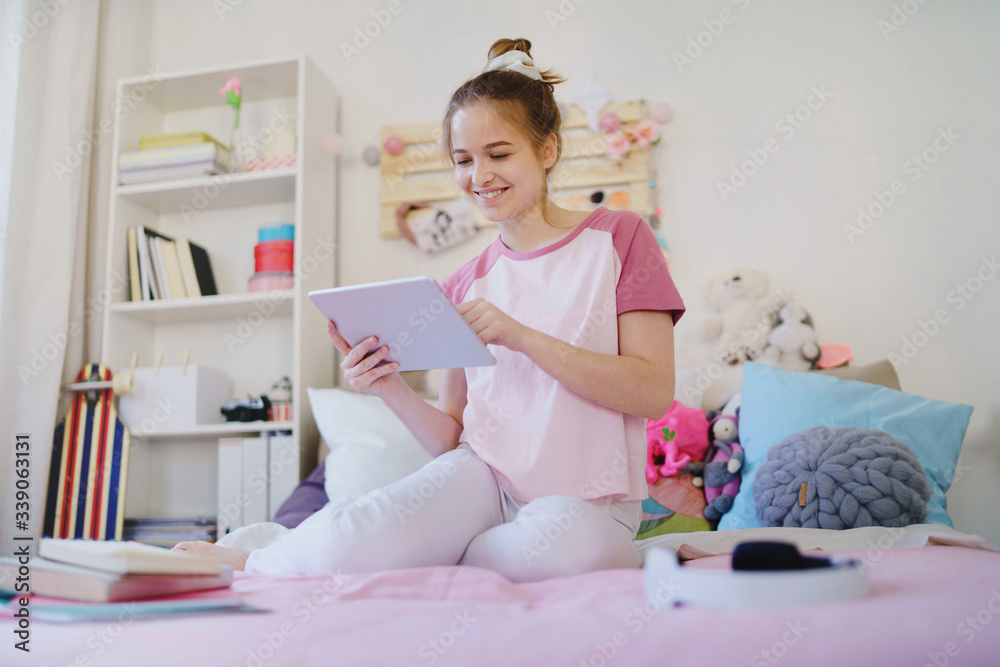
x,y
840,478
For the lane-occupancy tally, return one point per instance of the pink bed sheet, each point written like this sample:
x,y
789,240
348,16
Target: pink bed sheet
x,y
929,606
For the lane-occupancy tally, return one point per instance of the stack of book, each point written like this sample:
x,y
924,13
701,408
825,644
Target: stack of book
x,y
109,571
167,157
161,267
168,531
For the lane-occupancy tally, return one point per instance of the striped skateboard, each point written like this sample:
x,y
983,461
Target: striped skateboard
x,y
89,468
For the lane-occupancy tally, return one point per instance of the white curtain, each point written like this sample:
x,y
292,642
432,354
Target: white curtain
x,y
10,24
44,264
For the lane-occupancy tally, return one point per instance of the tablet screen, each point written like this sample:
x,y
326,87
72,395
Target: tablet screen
x,y
412,316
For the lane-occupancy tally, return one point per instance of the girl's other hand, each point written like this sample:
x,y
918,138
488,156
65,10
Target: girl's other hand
x,y
494,326
360,364
227,556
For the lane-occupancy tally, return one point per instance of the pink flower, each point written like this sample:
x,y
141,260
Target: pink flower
x,y
616,144
610,122
231,91
233,84
645,133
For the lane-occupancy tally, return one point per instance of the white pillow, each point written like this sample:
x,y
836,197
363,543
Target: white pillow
x,y
369,446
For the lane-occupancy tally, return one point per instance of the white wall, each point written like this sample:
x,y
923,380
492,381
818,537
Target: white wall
x,y
891,92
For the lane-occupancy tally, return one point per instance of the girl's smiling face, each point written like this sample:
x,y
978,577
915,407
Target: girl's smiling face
x,y
497,166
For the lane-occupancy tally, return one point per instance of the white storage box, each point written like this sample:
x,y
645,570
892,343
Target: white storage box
x,y
175,397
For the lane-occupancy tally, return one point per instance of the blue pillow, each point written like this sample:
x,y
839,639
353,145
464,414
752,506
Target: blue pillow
x,y
778,403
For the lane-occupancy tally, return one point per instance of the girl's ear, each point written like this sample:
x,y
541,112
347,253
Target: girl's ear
x,y
550,151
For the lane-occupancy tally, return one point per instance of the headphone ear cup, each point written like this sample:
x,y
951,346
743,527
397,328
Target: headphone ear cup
x,y
756,556
762,556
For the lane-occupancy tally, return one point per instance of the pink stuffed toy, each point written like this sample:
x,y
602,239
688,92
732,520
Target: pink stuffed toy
x,y
674,440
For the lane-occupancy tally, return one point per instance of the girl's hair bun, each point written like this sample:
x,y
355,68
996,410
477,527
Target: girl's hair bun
x,y
502,46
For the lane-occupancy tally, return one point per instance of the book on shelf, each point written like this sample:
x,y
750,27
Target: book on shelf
x,y
172,268
135,284
168,531
172,162
167,268
159,157
156,252
202,269
73,582
177,139
185,258
122,557
207,167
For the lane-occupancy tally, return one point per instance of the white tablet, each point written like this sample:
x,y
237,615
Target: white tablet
x,y
413,316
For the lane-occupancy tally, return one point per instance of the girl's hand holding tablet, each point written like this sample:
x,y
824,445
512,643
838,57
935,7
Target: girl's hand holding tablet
x,y
361,364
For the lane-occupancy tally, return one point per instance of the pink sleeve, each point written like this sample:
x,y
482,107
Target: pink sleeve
x,y
457,285
645,282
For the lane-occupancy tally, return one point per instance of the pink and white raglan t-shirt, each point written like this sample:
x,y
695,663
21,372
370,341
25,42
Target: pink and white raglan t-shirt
x,y
541,438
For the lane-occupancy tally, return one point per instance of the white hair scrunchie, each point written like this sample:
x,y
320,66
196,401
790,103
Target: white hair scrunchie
x,y
515,61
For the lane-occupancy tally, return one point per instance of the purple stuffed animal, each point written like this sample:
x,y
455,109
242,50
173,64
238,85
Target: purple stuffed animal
x,y
722,466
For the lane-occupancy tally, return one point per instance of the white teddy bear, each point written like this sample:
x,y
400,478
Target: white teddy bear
x,y
747,311
792,345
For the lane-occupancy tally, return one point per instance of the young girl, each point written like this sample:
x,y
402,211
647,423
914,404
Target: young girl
x,y
540,459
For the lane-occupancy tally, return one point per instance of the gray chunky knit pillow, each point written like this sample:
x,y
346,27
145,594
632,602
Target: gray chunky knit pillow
x,y
853,476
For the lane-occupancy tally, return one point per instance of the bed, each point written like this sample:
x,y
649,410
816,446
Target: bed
x,y
934,599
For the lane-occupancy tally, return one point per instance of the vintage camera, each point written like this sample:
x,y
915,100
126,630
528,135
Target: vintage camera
x,y
249,409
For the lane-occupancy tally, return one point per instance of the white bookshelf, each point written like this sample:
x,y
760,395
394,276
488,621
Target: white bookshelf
x,y
255,337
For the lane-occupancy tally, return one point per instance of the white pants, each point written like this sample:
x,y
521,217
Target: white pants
x,y
454,511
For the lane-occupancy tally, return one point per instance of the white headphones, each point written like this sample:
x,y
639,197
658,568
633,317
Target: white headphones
x,y
765,575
